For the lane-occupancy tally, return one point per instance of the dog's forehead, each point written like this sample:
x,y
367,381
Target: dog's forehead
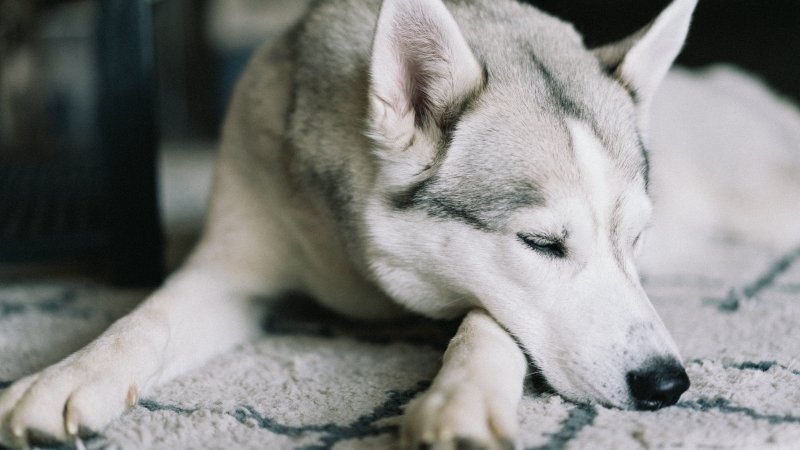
x,y
500,163
518,148
502,142
540,72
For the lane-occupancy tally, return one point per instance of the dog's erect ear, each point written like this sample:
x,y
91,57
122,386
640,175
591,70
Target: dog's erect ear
x,y
641,60
422,71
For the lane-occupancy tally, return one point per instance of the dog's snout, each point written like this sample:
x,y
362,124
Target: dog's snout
x,y
658,384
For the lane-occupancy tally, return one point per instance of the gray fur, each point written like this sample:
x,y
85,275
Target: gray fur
x,y
533,61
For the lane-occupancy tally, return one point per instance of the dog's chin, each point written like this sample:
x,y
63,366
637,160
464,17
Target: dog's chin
x,y
575,392
590,399
585,398
589,396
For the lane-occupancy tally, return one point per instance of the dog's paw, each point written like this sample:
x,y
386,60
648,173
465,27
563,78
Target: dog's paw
x,y
64,402
459,416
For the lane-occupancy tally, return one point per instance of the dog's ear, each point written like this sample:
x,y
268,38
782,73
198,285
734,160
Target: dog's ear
x,y
421,72
641,61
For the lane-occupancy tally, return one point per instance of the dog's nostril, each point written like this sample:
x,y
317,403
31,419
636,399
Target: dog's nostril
x,y
660,383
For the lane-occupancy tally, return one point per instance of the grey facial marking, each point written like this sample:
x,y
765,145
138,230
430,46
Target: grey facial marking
x,y
409,198
449,208
418,196
645,169
557,91
615,235
453,114
484,207
629,88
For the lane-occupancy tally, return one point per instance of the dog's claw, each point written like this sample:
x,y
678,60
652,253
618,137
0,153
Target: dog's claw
x,y
133,396
72,421
18,432
16,437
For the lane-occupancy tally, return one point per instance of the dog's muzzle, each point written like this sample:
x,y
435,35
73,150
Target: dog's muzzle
x,y
658,384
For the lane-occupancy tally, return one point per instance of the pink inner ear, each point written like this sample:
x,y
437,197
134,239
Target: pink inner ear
x,y
420,60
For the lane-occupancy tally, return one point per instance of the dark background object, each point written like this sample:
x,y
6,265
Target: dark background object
x,y
760,36
128,139
186,70
77,158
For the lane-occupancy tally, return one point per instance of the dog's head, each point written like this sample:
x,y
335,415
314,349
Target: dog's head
x,y
512,176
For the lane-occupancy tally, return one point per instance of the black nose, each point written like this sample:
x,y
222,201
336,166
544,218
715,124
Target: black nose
x,y
658,384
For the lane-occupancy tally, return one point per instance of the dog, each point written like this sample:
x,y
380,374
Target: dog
x,y
465,158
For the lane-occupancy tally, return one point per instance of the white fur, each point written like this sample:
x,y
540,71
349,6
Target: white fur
x,y
725,163
598,175
584,319
476,393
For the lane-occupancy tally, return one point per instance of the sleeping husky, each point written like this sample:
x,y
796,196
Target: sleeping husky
x,y
468,158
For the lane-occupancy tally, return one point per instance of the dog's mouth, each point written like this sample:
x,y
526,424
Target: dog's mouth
x,y
535,381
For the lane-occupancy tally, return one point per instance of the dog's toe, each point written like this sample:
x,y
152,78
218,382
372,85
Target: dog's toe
x,y
459,417
60,404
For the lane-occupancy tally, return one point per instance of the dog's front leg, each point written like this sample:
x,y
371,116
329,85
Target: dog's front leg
x,y
473,401
195,315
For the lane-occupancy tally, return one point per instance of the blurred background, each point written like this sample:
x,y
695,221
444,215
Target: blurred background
x,y
107,106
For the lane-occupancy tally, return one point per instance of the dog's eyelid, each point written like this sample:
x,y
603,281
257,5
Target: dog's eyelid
x,y
547,244
547,238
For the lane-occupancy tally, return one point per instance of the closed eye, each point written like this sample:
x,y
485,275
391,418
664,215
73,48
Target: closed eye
x,y
543,244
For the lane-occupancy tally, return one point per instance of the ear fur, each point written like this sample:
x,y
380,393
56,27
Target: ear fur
x,y
421,68
641,60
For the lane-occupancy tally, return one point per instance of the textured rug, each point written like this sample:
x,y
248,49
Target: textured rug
x,y
316,381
